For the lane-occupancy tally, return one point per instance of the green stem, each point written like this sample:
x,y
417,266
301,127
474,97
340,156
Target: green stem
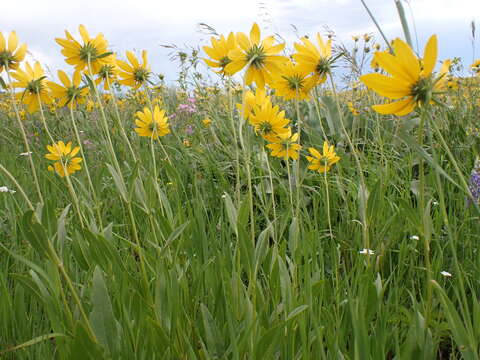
x,y
363,190
85,165
24,135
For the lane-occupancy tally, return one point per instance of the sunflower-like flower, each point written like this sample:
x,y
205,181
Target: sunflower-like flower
x,y
411,82
268,120
322,162
64,157
293,82
252,99
219,50
134,74
152,125
33,81
284,145
108,73
259,56
352,109
475,67
77,54
70,92
11,55
311,59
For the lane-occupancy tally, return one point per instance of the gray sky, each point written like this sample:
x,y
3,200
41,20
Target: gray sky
x,y
146,24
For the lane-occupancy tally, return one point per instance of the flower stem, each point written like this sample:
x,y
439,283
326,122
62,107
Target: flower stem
x,y
24,135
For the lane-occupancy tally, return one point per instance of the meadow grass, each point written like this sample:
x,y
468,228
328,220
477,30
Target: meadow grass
x,y
161,258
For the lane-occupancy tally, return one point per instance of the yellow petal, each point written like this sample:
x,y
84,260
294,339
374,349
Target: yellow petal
x,y
430,56
12,41
390,87
255,34
64,78
400,108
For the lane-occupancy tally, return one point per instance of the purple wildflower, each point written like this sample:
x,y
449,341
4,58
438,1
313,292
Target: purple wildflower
x,y
474,183
189,130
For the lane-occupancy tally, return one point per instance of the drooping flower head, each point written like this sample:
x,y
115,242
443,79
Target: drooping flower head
x,y
268,120
64,157
219,50
93,50
34,84
284,145
259,56
134,74
293,82
412,82
69,92
152,125
10,53
315,60
322,162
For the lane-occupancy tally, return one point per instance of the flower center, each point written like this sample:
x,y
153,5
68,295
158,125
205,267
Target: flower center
x,y
140,75
265,128
295,82
323,66
256,56
34,86
224,61
88,51
6,58
422,90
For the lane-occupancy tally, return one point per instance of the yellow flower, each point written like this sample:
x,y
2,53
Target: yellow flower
x,y
136,74
260,57
11,55
32,80
366,37
293,82
64,157
258,97
314,60
219,50
374,64
152,125
322,162
108,73
352,109
90,105
70,93
78,55
186,143
284,145
268,120
355,38
411,81
475,67
206,121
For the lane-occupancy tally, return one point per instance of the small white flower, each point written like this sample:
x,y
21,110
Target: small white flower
x,y
5,189
366,252
435,203
28,153
224,196
445,273
414,237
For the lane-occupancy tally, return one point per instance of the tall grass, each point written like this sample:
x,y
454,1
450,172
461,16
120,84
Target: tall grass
x,y
161,263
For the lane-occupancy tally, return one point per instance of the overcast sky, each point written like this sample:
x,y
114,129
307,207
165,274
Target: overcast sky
x,y
147,24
